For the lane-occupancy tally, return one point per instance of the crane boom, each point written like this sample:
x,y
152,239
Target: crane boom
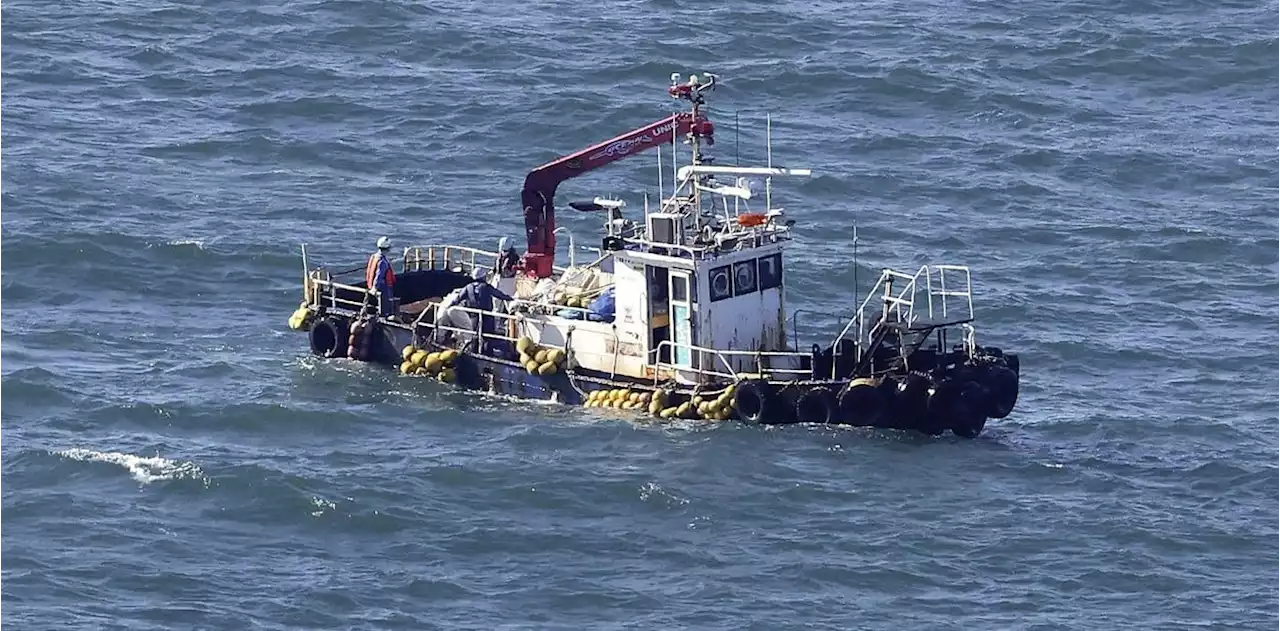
x,y
538,195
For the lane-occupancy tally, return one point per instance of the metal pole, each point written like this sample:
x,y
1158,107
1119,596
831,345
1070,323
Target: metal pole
x,y
306,275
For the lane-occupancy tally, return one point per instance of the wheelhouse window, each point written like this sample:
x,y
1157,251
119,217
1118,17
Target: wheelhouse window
x,y
680,288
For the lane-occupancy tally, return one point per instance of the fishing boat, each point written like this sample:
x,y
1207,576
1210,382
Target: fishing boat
x,y
679,314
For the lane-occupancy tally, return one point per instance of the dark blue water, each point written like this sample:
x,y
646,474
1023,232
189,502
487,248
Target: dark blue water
x,y
172,457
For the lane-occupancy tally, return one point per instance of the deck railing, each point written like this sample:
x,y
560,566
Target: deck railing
x,y
899,304
325,291
450,256
701,356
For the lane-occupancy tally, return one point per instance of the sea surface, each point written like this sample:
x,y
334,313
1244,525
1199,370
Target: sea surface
x,y
173,457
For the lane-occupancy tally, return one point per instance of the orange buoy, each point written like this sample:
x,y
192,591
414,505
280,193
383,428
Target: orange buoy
x,y
749,220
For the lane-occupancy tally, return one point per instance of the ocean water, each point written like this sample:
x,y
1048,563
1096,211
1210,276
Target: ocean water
x,y
173,458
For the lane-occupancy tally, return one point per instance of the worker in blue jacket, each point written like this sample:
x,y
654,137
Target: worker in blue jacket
x,y
479,294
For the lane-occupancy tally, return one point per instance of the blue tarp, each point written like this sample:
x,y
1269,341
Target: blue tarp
x,y
600,310
602,307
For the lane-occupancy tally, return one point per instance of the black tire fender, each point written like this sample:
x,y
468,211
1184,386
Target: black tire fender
x,y
910,402
969,410
328,338
752,400
942,406
817,405
1002,385
862,403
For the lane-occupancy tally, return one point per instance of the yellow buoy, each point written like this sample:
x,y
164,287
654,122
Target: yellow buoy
x,y
683,409
667,413
448,375
531,366
407,352
298,319
540,356
555,356
523,345
418,357
406,368
433,364
546,369
655,407
448,356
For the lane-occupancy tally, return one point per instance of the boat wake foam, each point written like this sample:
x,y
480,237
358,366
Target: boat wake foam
x,y
144,470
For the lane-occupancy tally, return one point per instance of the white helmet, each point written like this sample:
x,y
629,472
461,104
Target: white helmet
x,y
503,244
478,273
384,243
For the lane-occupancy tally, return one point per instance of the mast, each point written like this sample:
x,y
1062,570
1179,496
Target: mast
x,y
702,128
695,159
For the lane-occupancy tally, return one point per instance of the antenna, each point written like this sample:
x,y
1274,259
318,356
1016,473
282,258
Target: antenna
x,y
675,185
768,147
737,160
646,209
659,169
855,264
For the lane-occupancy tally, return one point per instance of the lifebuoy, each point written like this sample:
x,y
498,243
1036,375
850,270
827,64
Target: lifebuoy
x,y
862,403
752,400
1002,384
817,405
328,338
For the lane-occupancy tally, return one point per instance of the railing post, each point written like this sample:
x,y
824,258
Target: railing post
x,y
888,293
942,284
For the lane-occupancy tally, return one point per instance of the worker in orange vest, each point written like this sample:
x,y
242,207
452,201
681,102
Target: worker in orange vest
x,y
380,276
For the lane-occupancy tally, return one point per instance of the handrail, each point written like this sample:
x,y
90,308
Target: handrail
x,y
723,356
332,297
904,300
886,279
659,364
571,246
966,293
467,261
447,249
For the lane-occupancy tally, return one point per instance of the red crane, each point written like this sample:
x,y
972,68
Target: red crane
x,y
538,195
